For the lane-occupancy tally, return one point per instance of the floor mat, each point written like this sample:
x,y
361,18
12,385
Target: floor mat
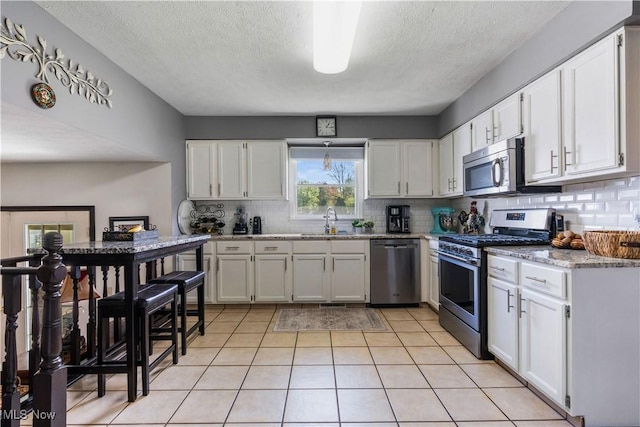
x,y
334,319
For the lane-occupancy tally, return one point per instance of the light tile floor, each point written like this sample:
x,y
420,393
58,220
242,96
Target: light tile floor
x,y
243,374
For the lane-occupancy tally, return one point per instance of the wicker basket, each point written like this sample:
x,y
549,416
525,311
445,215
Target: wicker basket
x,y
615,244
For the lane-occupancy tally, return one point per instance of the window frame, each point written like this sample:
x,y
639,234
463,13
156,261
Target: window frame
x,y
358,190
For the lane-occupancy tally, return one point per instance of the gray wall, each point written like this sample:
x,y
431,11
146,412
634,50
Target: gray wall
x,y
575,28
304,127
139,118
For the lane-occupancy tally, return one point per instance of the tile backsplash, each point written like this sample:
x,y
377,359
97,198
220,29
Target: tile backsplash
x,y
611,204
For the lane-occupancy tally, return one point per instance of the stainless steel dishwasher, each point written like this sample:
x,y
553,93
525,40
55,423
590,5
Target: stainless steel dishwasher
x,y
395,272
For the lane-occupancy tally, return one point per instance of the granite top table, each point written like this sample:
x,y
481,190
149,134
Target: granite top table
x,y
128,255
566,258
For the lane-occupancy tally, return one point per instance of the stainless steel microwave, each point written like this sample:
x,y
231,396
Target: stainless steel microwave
x,y
498,170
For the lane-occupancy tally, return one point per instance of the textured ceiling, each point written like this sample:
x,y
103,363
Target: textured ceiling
x,y
222,58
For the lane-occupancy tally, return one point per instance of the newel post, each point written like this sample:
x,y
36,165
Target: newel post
x,y
50,382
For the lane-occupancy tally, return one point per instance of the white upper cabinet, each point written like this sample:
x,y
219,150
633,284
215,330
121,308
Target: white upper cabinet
x,y
507,118
235,170
266,169
231,170
581,120
542,127
417,162
502,121
201,174
400,168
453,147
383,168
482,130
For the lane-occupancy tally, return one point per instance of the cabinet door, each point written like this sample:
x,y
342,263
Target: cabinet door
x,y
461,147
348,278
231,170
310,278
383,168
482,130
507,118
417,166
590,109
446,165
266,169
201,174
235,278
502,318
543,343
272,278
542,128
434,283
187,262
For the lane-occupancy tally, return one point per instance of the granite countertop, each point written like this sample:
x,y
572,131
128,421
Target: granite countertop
x,y
566,258
126,247
321,236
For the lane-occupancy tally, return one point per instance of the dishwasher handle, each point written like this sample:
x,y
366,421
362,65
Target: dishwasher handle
x,y
400,246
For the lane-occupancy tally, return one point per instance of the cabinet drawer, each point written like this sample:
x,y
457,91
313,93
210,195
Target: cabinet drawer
x,y
543,279
311,247
234,247
272,247
502,268
348,246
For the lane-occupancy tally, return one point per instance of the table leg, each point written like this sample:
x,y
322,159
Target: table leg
x,y
131,295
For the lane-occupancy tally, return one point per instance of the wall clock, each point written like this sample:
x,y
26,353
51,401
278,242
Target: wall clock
x,y
326,126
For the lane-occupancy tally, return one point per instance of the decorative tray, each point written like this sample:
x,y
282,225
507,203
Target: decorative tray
x,y
125,236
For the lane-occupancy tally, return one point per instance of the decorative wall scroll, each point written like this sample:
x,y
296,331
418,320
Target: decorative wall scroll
x,y
13,43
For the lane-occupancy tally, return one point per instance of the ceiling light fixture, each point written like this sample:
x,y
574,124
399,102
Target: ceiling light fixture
x,y
334,28
326,162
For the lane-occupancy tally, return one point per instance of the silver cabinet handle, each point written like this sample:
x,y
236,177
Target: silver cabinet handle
x,y
522,300
211,189
552,157
285,264
509,306
324,264
449,185
398,187
535,279
493,267
453,184
270,248
407,185
565,152
219,189
231,248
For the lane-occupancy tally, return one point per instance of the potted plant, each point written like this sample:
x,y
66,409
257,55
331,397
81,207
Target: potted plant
x,y
368,226
357,226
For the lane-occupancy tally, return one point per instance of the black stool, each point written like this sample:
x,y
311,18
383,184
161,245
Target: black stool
x,y
151,298
187,281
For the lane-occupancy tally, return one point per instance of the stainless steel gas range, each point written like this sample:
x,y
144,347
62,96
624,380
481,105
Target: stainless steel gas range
x,y
463,270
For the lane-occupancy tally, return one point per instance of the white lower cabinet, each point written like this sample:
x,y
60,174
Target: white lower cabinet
x,y
434,281
187,262
283,271
272,278
310,278
349,270
235,278
543,343
502,320
569,333
527,322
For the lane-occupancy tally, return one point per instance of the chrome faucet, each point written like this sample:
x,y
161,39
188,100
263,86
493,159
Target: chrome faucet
x,y
327,228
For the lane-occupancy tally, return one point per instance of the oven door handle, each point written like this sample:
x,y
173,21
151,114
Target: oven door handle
x,y
471,261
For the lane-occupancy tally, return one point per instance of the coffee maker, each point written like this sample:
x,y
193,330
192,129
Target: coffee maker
x,y
241,226
398,219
